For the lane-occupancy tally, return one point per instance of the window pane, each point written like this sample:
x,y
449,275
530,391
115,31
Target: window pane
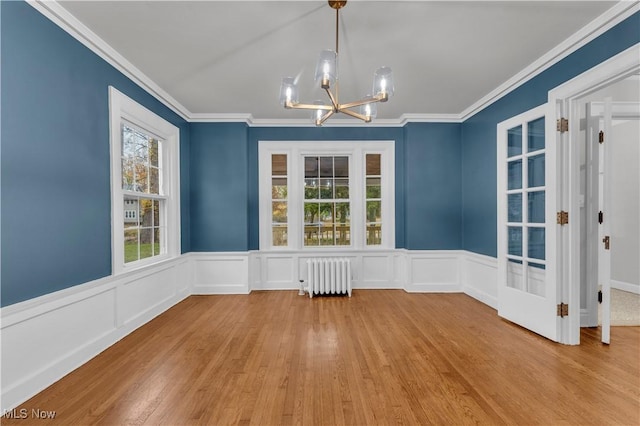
x,y
536,171
373,211
326,189
279,188
536,207
311,235
156,213
343,235
342,189
311,190
127,173
154,152
279,212
373,164
146,212
514,178
141,178
311,168
514,141
343,213
327,237
326,212
515,241
326,166
130,244
146,242
374,234
279,165
341,167
536,243
154,180
373,188
157,242
535,134
279,235
515,208
311,216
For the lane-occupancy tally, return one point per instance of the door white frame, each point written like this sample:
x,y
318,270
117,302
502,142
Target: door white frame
x,y
563,100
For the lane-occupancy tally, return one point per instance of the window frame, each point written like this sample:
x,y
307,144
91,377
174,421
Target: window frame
x,y
356,152
123,109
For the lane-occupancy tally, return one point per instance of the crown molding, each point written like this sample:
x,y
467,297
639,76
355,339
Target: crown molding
x,y
69,23
616,14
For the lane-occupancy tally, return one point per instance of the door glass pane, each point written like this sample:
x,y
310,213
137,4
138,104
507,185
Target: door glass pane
x,y
535,135
536,276
536,243
515,208
514,274
514,177
536,171
514,141
515,241
536,207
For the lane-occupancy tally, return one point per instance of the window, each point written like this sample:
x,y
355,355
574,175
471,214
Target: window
x,y
326,201
319,195
145,185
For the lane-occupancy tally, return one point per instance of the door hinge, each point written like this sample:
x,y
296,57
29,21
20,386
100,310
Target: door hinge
x,y
600,217
562,217
601,137
563,310
562,125
607,242
599,296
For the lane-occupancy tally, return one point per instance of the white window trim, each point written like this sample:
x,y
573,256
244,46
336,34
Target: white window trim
x,y
124,108
356,151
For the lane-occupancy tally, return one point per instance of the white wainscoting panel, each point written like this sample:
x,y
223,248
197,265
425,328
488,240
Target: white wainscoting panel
x,y
47,337
220,273
480,278
433,271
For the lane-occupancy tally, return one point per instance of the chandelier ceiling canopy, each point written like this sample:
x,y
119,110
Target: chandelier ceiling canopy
x,y
327,75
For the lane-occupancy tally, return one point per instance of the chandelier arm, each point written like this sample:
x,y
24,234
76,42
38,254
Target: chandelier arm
x,y
324,118
290,105
356,115
334,100
365,101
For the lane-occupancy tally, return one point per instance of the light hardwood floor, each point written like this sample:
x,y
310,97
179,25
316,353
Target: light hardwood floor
x,y
380,357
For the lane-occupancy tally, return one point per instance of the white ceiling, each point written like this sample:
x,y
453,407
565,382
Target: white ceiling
x,y
218,57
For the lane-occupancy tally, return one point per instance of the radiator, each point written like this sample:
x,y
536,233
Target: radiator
x,y
327,275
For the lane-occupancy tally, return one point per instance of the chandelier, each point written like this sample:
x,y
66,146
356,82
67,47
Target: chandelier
x,y
327,75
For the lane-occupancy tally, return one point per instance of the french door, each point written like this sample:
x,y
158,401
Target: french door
x,y
526,172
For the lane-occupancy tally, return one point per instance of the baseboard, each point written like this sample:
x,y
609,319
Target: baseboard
x,y
43,339
621,285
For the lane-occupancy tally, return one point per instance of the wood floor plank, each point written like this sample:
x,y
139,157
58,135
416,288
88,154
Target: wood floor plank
x,y
380,357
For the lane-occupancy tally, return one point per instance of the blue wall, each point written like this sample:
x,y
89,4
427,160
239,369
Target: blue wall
x,y
219,187
433,183
479,199
56,208
55,161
